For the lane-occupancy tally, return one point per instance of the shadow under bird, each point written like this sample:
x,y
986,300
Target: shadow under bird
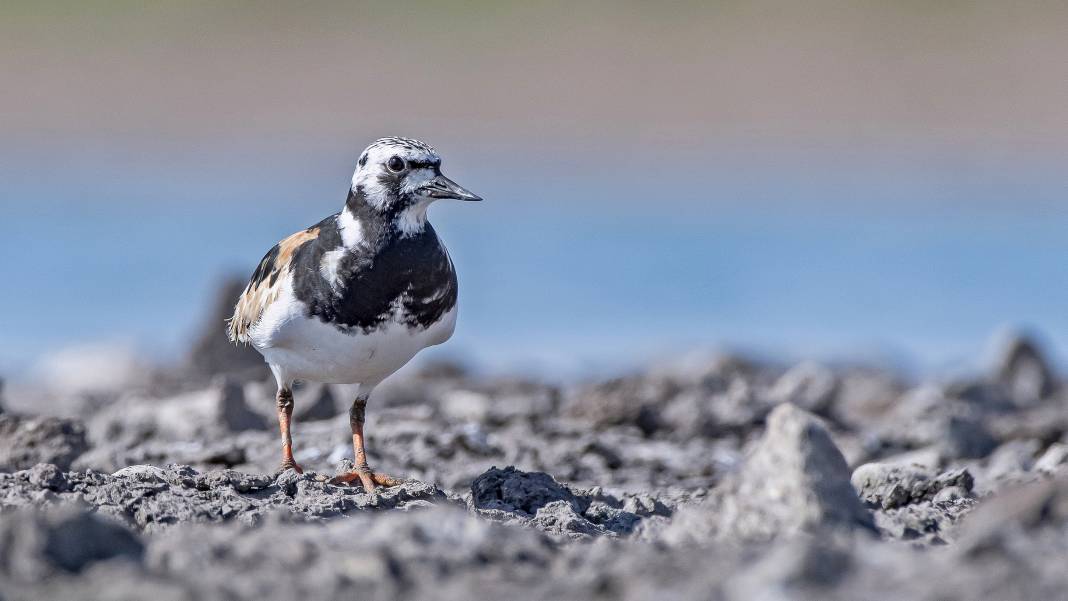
x,y
353,298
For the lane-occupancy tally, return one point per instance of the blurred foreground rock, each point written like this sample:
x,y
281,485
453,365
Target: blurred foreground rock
x,y
40,545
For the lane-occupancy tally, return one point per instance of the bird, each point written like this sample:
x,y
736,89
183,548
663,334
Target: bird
x,y
353,298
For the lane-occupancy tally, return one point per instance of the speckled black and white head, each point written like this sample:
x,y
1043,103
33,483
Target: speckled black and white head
x,y
398,178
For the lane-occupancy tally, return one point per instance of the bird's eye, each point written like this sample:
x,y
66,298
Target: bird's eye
x,y
395,164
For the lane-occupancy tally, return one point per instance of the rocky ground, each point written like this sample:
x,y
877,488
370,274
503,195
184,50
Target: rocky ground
x,y
724,479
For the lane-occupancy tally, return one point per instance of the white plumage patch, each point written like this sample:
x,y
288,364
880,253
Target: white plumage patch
x,y
331,264
352,235
350,228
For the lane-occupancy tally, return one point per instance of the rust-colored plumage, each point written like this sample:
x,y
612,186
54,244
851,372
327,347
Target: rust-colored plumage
x,y
266,284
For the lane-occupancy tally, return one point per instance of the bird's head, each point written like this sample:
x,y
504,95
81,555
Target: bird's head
x,y
398,178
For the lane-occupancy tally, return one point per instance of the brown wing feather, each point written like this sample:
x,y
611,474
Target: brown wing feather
x,y
266,284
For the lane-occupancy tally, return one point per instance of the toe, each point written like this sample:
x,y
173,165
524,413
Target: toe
x,y
368,479
385,480
343,479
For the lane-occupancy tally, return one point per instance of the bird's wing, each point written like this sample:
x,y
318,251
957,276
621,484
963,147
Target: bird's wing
x,y
266,284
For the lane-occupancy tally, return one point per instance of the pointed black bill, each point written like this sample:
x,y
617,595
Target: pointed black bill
x,y
443,187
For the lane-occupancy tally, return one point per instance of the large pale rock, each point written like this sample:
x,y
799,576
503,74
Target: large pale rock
x,y
794,480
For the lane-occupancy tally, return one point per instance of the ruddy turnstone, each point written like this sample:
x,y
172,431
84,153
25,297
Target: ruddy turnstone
x,y
353,298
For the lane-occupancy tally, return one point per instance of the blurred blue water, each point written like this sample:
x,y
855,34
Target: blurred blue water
x,y
580,272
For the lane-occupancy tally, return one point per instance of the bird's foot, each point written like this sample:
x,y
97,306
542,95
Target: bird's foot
x,y
289,464
368,478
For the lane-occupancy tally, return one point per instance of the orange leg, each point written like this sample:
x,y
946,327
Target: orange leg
x,y
361,471
285,415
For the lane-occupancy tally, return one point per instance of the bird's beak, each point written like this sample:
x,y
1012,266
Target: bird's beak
x,y
443,187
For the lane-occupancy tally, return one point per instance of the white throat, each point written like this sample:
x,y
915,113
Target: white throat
x,y
412,220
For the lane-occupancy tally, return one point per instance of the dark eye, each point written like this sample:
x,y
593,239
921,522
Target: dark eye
x,y
395,164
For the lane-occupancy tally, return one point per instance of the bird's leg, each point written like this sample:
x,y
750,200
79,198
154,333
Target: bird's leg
x,y
361,471
284,401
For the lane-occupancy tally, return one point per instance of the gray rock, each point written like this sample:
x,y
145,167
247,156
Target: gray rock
x,y
951,494
805,567
560,517
894,485
926,417
1046,422
513,399
807,385
439,553
999,523
47,476
315,403
612,519
966,437
929,522
1054,459
142,473
26,441
794,480
1008,462
466,405
230,451
539,501
231,410
634,401
212,353
524,492
154,499
1023,371
865,396
645,505
707,492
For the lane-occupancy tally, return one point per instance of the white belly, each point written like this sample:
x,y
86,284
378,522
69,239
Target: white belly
x,y
302,348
